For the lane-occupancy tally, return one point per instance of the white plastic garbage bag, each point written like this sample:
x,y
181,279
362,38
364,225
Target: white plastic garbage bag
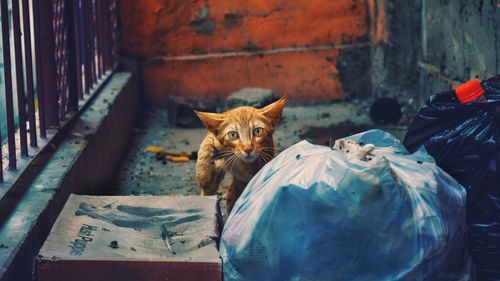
x,y
314,213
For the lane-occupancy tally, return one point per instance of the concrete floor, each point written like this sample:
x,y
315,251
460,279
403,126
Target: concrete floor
x,y
143,174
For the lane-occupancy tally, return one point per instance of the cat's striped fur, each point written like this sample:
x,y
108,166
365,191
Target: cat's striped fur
x,y
238,142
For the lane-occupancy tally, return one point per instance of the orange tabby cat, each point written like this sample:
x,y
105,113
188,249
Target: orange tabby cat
x,y
239,142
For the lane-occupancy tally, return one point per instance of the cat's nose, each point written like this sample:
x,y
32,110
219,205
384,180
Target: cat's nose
x,y
248,150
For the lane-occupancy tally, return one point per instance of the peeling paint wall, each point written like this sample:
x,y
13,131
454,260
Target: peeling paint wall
x,y
460,41
426,46
312,51
396,41
214,47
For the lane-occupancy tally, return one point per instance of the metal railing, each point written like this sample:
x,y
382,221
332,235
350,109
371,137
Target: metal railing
x,y
55,52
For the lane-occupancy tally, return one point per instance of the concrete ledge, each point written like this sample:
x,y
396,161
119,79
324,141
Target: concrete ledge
x,y
84,163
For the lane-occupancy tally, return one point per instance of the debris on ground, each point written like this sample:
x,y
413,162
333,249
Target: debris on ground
x,y
178,158
113,244
155,149
161,154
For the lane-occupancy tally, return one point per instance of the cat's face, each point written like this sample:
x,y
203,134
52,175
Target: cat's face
x,y
245,132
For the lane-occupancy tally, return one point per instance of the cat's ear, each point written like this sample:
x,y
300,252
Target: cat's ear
x,y
210,120
274,110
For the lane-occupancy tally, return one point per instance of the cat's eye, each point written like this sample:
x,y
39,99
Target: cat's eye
x,y
233,135
258,131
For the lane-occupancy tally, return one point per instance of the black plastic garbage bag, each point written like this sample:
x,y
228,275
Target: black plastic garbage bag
x,y
465,141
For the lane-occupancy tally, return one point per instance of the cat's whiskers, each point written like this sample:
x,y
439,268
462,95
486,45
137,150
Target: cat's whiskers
x,y
230,162
223,154
227,164
266,156
271,148
262,160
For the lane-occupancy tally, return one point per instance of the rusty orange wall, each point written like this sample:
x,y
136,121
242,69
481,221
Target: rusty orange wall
x,y
214,47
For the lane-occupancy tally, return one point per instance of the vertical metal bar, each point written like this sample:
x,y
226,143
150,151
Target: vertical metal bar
x,y
38,67
71,55
98,39
29,72
78,50
59,35
114,31
111,32
8,84
83,37
100,36
88,44
48,63
107,34
18,55
92,32
95,18
104,39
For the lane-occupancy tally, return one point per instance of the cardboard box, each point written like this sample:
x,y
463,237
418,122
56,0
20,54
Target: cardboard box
x,y
133,238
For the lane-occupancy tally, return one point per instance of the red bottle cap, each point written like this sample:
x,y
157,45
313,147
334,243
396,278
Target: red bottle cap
x,y
469,91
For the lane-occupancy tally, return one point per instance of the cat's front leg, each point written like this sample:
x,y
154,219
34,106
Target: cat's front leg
x,y
208,174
